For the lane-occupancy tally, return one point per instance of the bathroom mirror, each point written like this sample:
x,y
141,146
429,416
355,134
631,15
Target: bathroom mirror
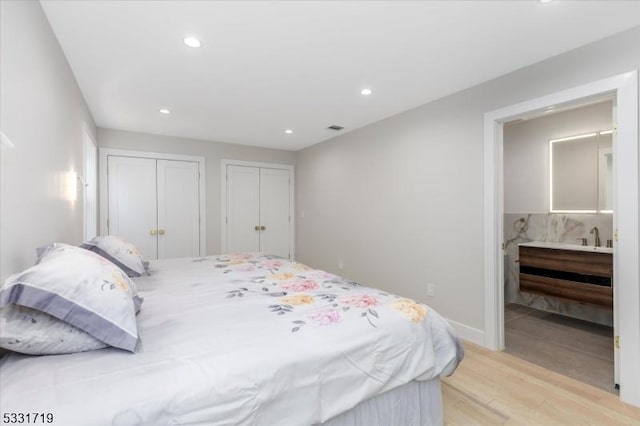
x,y
581,168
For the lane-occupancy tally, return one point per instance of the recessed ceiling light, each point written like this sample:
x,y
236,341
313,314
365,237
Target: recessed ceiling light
x,y
192,42
366,92
544,1
165,111
288,131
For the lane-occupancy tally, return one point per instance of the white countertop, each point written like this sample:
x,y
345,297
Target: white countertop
x,y
566,246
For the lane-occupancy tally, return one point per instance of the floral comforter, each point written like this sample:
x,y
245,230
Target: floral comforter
x,y
243,339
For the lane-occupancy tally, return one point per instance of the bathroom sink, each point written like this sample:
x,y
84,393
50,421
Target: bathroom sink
x,y
566,246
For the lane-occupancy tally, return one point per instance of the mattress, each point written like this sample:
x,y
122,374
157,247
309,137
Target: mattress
x,y
244,339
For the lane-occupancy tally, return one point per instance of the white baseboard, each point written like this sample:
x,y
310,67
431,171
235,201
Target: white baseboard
x,y
465,332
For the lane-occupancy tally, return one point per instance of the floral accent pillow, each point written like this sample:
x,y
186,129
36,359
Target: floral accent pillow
x,y
41,252
32,332
80,288
122,253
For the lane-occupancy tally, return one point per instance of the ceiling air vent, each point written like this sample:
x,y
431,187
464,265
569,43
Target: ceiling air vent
x,y
335,127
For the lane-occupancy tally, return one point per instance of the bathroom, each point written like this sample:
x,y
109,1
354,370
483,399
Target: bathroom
x,y
558,189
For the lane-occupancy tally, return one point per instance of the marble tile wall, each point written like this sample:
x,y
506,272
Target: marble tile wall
x,y
562,228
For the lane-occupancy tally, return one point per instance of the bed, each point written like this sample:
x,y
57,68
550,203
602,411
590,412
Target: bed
x,y
249,339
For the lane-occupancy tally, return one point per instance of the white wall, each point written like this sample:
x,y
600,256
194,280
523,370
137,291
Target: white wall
x,y
43,113
401,201
526,153
213,152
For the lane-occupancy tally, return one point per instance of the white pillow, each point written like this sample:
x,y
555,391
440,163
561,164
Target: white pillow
x,y
41,252
80,288
32,332
122,253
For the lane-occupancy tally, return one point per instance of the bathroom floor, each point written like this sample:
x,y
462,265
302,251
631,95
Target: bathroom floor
x,y
575,348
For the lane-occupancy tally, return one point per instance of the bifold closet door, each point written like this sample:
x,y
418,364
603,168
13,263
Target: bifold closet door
x,y
274,212
155,205
132,212
258,203
243,209
178,209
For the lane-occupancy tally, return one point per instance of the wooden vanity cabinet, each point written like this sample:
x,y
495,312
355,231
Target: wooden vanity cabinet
x,y
580,276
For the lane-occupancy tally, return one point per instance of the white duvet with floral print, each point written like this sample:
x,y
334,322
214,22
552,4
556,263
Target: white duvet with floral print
x,y
242,339
313,297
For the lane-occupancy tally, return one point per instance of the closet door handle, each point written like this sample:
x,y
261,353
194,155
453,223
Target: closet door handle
x,y
262,228
257,227
153,232
161,231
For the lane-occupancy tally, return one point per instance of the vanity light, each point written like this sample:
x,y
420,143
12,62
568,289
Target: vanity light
x,y
366,92
192,42
571,138
288,131
601,202
165,111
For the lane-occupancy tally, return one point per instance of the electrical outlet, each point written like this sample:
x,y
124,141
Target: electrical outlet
x,y
340,264
431,290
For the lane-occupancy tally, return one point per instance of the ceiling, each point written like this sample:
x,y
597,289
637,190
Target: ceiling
x,y
269,66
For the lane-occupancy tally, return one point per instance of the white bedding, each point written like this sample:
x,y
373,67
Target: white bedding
x,y
418,403
240,340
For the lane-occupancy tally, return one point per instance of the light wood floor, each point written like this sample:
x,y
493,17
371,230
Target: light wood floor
x,y
495,388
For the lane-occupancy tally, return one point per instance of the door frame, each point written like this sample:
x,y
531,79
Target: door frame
x,y
626,207
89,187
223,197
105,153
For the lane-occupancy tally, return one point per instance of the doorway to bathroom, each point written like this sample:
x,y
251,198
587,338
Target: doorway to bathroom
x,y
623,89
558,224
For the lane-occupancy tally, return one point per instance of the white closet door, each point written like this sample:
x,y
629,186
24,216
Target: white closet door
x,y
274,212
178,209
132,202
243,209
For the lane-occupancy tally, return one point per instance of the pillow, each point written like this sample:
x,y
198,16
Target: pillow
x,y
82,289
41,252
118,251
32,332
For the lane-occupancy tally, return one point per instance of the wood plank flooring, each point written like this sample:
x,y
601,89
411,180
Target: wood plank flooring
x,y
495,388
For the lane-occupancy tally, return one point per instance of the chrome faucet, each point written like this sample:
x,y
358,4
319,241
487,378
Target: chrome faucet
x,y
596,241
